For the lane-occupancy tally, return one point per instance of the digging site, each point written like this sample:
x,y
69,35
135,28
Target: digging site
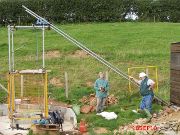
x,y
42,101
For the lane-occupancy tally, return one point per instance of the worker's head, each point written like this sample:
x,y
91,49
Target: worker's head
x,y
101,75
142,75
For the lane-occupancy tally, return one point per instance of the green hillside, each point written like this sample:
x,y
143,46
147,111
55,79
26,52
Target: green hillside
x,y
123,44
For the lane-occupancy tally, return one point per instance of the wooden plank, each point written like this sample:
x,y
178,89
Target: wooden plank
x,y
175,94
175,67
175,75
175,89
175,83
48,127
175,79
175,61
175,47
175,72
175,99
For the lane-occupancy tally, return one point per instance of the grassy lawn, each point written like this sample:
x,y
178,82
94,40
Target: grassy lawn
x,y
123,44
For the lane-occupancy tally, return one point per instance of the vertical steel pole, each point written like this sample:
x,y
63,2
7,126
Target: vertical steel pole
x,y
43,46
12,39
9,46
45,94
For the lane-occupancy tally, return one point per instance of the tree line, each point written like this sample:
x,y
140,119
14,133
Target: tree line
x,y
67,11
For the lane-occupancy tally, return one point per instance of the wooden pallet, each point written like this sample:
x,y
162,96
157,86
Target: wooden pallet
x,y
175,74
48,127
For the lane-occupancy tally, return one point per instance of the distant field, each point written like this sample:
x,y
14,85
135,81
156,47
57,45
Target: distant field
x,y
123,44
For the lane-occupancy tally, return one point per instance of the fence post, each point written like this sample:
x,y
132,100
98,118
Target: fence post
x,y
66,84
107,76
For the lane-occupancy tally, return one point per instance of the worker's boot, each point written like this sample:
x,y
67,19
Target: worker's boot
x,y
148,114
140,111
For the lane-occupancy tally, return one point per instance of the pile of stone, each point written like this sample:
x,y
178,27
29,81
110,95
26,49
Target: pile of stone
x,y
169,128
161,124
89,102
111,99
141,126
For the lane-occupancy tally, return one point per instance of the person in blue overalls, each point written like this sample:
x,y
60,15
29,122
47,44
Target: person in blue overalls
x,y
101,87
146,91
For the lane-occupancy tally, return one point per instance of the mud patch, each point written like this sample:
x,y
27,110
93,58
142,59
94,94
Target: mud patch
x,y
79,54
89,84
56,82
58,103
52,54
100,130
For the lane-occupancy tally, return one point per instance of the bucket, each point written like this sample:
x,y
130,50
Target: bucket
x,y
82,126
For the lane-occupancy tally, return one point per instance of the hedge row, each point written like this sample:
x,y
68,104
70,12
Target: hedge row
x,y
90,10
63,10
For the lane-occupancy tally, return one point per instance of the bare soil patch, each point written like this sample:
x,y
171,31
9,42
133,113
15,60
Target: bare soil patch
x,y
52,54
100,130
56,82
79,54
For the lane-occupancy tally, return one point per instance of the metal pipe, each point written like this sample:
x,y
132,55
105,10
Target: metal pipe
x,y
12,51
9,47
28,27
43,47
1,86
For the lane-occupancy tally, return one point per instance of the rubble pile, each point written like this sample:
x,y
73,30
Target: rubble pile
x,y
165,128
89,102
111,99
167,122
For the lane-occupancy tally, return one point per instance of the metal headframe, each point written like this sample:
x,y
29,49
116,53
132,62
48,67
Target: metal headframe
x,y
11,50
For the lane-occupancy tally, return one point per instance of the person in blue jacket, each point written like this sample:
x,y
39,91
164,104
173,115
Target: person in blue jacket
x,y
101,87
146,91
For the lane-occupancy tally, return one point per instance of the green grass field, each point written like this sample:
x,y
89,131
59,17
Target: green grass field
x,y
123,44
